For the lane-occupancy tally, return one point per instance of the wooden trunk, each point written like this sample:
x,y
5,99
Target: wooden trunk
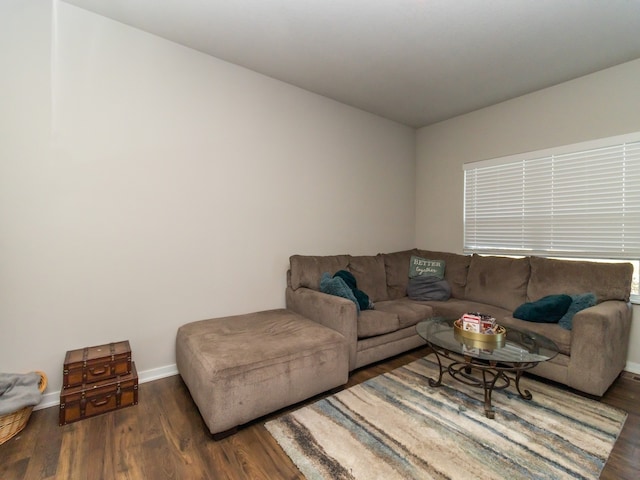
x,y
89,400
92,364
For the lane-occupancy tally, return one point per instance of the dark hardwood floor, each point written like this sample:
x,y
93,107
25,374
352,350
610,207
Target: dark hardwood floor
x,y
164,437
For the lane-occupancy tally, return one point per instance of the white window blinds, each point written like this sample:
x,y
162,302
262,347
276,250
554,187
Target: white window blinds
x,y
575,201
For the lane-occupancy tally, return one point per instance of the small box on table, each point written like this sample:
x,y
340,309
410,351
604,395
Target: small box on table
x,y
471,323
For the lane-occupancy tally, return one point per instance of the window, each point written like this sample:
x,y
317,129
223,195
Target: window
x,y
576,201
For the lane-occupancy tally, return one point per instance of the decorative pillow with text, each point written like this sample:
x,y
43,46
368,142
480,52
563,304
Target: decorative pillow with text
x,y
419,266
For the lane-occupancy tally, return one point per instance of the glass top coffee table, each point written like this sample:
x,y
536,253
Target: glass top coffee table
x,y
485,364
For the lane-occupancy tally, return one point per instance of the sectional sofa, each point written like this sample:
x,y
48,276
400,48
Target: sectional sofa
x,y
592,354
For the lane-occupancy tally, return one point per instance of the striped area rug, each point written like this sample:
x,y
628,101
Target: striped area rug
x,y
397,427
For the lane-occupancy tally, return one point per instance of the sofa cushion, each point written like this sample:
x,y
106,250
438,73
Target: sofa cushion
x,y
370,275
455,271
499,281
396,266
306,270
548,309
337,286
560,336
429,287
609,281
579,302
376,322
408,312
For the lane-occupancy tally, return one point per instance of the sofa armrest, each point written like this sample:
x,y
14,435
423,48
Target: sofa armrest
x,y
337,313
599,345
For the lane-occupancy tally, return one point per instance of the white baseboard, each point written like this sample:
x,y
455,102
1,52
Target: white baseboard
x,y
157,373
52,399
632,367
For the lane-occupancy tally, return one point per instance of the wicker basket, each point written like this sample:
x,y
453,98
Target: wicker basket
x,y
12,423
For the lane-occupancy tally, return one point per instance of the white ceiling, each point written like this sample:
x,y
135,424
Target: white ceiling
x,y
414,61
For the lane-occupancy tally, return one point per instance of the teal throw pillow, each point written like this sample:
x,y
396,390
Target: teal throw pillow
x,y
579,302
337,286
549,309
350,281
419,266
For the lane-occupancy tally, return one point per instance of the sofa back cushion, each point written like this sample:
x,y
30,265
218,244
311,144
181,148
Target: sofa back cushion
x,y
455,270
396,267
370,275
499,281
306,270
609,281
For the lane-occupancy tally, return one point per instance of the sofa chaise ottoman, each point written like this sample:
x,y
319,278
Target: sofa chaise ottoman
x,y
242,367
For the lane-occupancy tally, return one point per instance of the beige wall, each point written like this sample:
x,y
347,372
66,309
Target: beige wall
x,y
603,104
144,185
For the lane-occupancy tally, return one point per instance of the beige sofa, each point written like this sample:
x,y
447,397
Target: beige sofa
x,y
591,356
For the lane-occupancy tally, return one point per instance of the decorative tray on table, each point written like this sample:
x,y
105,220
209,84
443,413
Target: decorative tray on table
x,y
479,330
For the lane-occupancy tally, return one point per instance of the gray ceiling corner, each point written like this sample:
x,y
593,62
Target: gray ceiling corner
x,y
416,62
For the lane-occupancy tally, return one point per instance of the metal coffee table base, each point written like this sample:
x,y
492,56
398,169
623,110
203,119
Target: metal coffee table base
x,y
492,375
